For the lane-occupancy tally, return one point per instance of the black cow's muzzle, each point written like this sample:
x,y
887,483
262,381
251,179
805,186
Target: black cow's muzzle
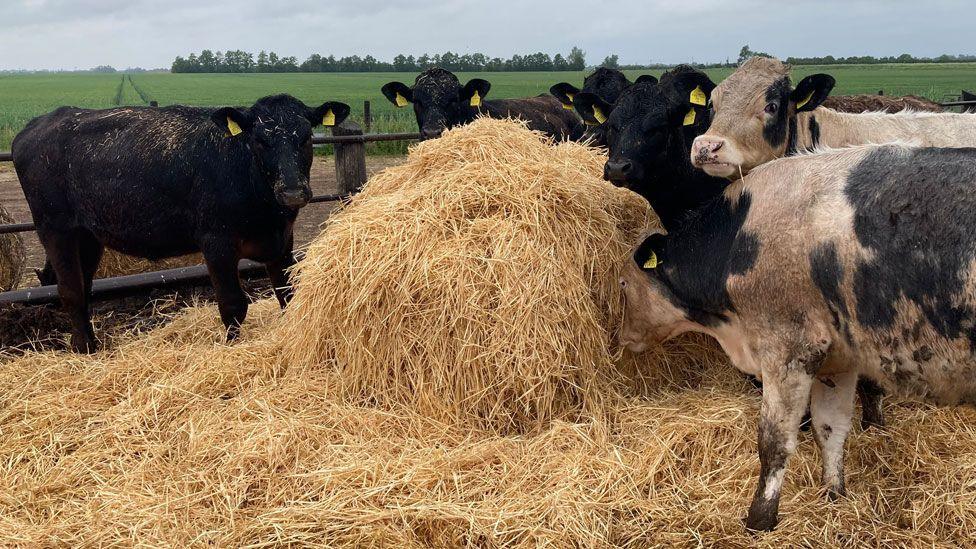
x,y
620,172
294,197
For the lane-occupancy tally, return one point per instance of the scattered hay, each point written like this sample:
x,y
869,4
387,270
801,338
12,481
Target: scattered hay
x,y
115,263
477,279
171,438
12,255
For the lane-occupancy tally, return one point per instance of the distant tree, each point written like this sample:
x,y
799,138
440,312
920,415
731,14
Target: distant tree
x,y
208,62
576,59
611,61
559,63
262,64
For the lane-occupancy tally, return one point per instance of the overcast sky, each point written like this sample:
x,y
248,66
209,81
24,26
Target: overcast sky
x,y
67,34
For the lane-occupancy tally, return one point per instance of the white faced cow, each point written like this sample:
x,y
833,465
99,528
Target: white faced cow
x,y
757,116
814,270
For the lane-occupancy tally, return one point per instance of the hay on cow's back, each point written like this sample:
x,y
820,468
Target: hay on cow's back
x,y
477,279
12,255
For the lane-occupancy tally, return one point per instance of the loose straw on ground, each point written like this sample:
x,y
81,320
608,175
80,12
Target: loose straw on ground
x,y
173,438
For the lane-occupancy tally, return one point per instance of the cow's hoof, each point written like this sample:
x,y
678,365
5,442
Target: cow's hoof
x,y
761,523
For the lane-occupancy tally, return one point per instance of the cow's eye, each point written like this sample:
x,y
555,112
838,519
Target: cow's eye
x,y
771,108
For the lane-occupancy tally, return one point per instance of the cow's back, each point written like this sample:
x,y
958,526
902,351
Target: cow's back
x,y
543,113
875,245
140,179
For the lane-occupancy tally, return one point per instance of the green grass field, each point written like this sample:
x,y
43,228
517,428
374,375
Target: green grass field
x,y
23,97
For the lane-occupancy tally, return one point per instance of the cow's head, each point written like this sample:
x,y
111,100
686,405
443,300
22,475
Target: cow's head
x,y
752,113
439,100
278,133
651,315
647,124
608,84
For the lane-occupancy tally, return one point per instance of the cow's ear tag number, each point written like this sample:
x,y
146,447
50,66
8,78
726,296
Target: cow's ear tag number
x,y
698,97
651,262
690,117
329,118
233,127
401,101
805,100
598,114
476,99
569,106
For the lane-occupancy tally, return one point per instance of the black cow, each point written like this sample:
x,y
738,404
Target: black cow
x,y
607,84
968,96
648,129
162,182
441,102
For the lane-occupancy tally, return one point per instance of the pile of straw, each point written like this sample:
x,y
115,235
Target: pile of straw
x,y
173,438
115,263
477,279
12,255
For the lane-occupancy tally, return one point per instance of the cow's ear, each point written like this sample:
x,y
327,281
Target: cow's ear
x,y
593,110
646,78
812,91
232,120
330,113
693,87
564,92
398,93
474,91
650,254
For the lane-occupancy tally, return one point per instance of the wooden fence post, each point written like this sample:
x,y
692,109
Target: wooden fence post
x,y
367,116
350,159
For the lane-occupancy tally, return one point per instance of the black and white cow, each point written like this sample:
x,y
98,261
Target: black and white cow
x,y
814,270
162,182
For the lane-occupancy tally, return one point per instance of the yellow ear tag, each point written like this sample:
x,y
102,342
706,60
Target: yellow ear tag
x,y
805,100
232,127
329,118
690,117
401,101
569,106
476,99
651,262
698,97
598,114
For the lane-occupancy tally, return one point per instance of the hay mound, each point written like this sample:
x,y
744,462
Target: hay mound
x,y
477,279
12,255
115,263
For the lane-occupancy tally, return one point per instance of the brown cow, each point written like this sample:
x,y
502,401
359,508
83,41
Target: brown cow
x,y
757,116
814,270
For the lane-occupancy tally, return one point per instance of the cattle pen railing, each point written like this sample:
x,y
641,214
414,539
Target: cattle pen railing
x,y
350,165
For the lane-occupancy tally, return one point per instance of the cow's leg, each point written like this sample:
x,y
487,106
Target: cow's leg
x,y
63,251
786,392
870,394
279,275
222,259
832,407
91,254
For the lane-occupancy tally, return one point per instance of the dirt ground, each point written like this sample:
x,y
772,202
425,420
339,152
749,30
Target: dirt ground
x,y
44,327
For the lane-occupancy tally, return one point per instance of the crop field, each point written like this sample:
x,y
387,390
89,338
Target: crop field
x,y
24,96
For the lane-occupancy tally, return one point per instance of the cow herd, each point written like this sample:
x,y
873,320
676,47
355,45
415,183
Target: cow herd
x,y
826,242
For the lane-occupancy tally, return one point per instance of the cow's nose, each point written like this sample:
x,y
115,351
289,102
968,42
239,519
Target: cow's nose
x,y
428,133
617,171
293,198
704,149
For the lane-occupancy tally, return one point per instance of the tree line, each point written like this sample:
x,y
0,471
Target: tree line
x,y
238,61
